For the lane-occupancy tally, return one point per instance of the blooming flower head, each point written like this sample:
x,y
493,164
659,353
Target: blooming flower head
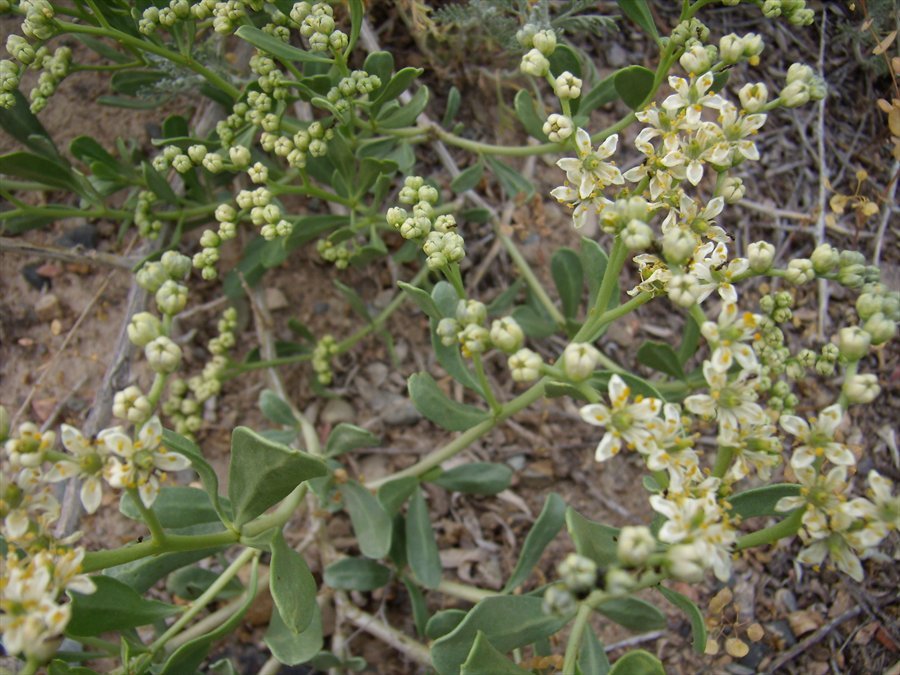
x,y
728,336
623,421
815,439
589,171
143,461
691,96
731,400
715,272
27,506
87,461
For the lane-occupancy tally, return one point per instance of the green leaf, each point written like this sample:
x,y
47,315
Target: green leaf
x,y
512,182
592,540
276,409
347,437
397,85
690,338
545,529
484,659
593,262
564,59
20,123
406,115
633,614
176,507
188,657
356,574
158,185
418,605
58,667
289,647
393,494
477,478
638,385
380,64
634,85
262,473
183,446
433,403
276,47
191,582
443,622
507,621
136,82
39,169
639,12
357,14
142,574
535,324
698,623
468,178
371,522
761,501
660,356
602,93
421,545
569,278
102,49
592,660
89,151
453,100
131,103
527,112
421,298
638,662
113,606
357,304
292,585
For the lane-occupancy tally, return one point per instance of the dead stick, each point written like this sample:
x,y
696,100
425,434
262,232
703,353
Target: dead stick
x,y
74,255
816,637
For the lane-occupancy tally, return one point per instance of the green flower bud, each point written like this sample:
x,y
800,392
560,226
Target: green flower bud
x,y
577,573
176,265
471,312
506,334
579,360
880,328
635,545
534,63
825,259
525,365
618,581
151,276
171,297
678,246
144,327
687,562
861,388
544,41
558,601
800,271
448,331
853,343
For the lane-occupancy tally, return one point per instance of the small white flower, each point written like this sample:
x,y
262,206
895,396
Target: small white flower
x,y
728,335
815,439
87,462
731,401
624,421
589,171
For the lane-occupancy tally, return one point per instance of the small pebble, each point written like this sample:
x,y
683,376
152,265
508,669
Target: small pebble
x,y
47,307
337,410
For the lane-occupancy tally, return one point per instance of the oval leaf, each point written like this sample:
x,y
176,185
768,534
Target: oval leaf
x,y
421,546
276,409
289,647
292,585
371,523
634,84
638,662
468,178
698,623
433,403
761,501
348,437
569,278
276,47
633,614
592,540
546,527
484,659
528,115
113,606
356,574
477,478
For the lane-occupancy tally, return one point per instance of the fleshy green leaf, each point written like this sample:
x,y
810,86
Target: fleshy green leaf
x,y
371,522
292,585
405,115
533,323
477,478
176,507
158,185
592,660
698,623
603,92
639,12
113,606
526,111
397,85
507,621
421,546
393,494
634,614
660,356
761,501
594,261
348,437
357,14
276,409
564,59
454,98
276,47
634,85
545,528
443,622
433,403
468,178
142,574
289,647
183,446
39,169
20,123
690,338
262,473
565,265
512,182
421,298
638,662
592,540
356,574
484,659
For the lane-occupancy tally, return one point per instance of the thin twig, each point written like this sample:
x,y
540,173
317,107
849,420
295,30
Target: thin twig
x,y
886,214
387,634
814,638
636,640
72,255
823,180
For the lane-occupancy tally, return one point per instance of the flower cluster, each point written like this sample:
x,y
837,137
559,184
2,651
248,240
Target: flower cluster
x,y
469,330
442,244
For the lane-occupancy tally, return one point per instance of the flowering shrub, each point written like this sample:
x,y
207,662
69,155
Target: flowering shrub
x,y
303,123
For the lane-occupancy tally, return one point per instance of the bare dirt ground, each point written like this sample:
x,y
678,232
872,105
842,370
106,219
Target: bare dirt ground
x,y
55,344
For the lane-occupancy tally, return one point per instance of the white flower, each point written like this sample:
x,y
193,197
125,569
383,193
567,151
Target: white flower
x,y
623,420
87,463
582,208
815,440
731,401
142,462
715,272
26,503
579,360
754,448
727,337
589,171
691,97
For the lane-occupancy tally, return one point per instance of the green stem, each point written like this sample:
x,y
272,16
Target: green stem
x,y
531,279
849,372
575,637
149,516
610,278
769,535
95,561
466,438
724,456
145,45
485,385
207,597
279,516
465,591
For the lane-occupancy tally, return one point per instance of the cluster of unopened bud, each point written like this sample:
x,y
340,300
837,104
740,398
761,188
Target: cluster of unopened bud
x,y
132,405
38,23
270,81
326,349
469,330
337,253
164,17
312,141
802,85
149,226
734,48
316,24
9,82
54,68
879,311
541,43
27,448
357,85
628,217
795,11
688,32
558,127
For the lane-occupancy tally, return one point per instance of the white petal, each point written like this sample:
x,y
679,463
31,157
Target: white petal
x,y
171,461
91,494
608,147
582,142
609,446
795,426
596,414
618,390
830,418
149,491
